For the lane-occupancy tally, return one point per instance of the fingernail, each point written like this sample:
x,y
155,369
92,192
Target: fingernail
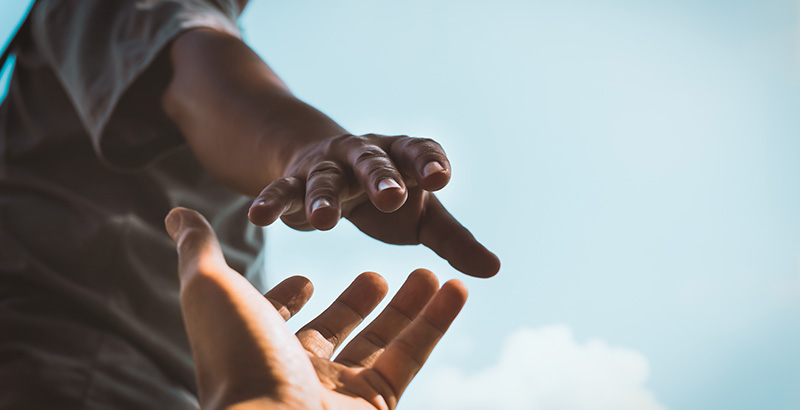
x,y
387,183
319,203
173,223
431,168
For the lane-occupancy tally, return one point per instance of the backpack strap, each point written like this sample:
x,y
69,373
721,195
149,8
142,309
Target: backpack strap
x,y
13,36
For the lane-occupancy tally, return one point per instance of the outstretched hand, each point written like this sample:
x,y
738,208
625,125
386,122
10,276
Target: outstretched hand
x,y
246,358
384,186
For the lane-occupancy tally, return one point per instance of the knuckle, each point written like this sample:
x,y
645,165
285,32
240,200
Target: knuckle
x,y
411,351
430,152
193,241
288,182
348,141
426,144
382,171
370,154
326,178
379,138
375,339
324,168
417,145
282,187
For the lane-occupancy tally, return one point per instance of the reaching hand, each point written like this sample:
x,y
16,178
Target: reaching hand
x,y
246,358
383,185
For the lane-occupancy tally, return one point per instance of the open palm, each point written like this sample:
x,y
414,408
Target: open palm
x,y
246,357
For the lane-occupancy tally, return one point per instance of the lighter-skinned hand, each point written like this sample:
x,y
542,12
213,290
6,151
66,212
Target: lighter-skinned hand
x,y
383,185
247,359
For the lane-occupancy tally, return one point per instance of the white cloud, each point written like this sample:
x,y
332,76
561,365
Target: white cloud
x,y
544,369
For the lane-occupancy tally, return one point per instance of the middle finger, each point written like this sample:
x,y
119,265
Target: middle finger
x,y
326,185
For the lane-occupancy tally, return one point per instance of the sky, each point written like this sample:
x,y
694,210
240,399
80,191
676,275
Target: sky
x,y
634,164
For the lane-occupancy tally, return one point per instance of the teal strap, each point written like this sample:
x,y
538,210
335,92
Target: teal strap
x,y
13,36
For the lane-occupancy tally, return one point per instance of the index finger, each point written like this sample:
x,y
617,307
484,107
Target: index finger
x,y
289,296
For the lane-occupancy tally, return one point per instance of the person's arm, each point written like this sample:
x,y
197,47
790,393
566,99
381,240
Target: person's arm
x,y
240,119
246,357
251,133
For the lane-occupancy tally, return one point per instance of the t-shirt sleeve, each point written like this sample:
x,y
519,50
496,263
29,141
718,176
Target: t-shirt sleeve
x,y
101,49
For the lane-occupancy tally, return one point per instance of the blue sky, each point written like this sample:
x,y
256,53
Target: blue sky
x,y
635,165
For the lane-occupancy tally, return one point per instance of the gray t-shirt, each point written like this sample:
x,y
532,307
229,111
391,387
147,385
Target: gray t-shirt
x,y
89,168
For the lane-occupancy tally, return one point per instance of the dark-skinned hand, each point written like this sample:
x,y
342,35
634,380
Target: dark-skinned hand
x,y
384,185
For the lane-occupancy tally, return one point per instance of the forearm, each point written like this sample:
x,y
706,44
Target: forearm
x,y
238,117
249,131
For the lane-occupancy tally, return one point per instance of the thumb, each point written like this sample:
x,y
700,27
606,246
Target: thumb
x,y
240,343
197,244
443,234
